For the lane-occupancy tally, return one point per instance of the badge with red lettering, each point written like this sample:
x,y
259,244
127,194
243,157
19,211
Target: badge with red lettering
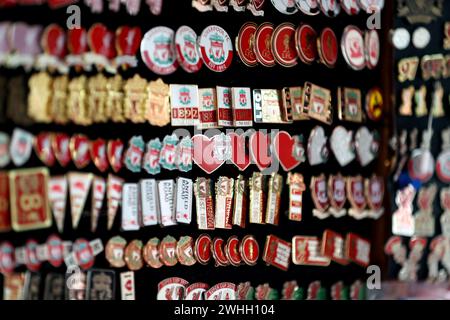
x,y
7,260
5,216
258,187
242,107
327,45
61,149
358,249
133,255
290,151
127,286
20,147
57,196
183,202
349,105
374,191
249,250
151,253
114,154
402,218
130,207
202,249
218,252
277,252
157,51
317,103
29,199
283,45
134,154
317,147
98,194
424,221
114,197
216,48
296,189
166,192
207,113
185,251
184,103
127,44
222,291
224,107
341,142
4,150
99,155
262,45
79,186
204,204
337,195
172,289
333,247
240,202
443,160
196,291
186,49
306,43
245,42
115,251
356,197
168,251
223,204
31,260
43,148
320,198
306,252
79,150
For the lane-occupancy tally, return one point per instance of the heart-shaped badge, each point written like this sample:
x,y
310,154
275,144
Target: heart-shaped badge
x,y
317,147
101,40
128,40
239,156
289,150
115,154
98,154
43,148
341,142
61,150
367,145
53,41
208,152
77,41
79,150
259,150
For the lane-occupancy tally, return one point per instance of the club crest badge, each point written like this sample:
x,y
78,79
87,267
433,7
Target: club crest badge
x,y
20,147
424,222
134,154
184,153
337,195
402,219
356,197
320,198
374,190
168,155
151,162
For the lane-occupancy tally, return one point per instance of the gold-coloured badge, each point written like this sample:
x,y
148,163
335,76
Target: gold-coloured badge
x,y
407,69
421,101
76,103
58,106
447,36
433,66
158,105
96,100
39,97
114,100
135,97
406,106
437,105
317,101
349,105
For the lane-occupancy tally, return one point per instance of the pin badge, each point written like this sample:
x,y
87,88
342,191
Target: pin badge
x,y
79,186
437,105
57,197
327,45
421,38
351,7
337,195
277,252
353,48
285,6
445,216
263,48
374,104
222,291
424,222
135,99
204,204
358,249
296,189
306,43
367,145
319,196
406,106
443,160
245,291
149,202
220,5
7,256
433,66
184,101
216,48
157,51
374,191
240,202
224,107
317,102
356,197
249,250
400,38
158,106
207,114
151,253
407,69
127,42
341,143
202,249
291,291
134,154
223,203
43,148
349,105
402,219
218,252
242,107
151,161
166,191
257,209
256,7
5,217
184,154
202,5
186,49
283,45
167,251
238,5
306,252
20,147
232,251
447,36
167,157
99,154
5,157
196,291
265,292
172,289
245,43
101,284
114,196
274,199
130,207
333,247
317,146
308,7
79,150
115,251
421,164
330,8
185,251
372,48
133,255
127,286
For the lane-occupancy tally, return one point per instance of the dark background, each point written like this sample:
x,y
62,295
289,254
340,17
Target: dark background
x,y
175,14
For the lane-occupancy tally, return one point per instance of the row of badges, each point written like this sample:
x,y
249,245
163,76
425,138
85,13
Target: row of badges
x,y
169,252
423,222
329,8
414,101
435,66
95,284
284,44
98,99
80,254
409,261
176,288
96,6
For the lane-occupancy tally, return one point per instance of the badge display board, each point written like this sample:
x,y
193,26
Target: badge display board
x,y
413,44
174,14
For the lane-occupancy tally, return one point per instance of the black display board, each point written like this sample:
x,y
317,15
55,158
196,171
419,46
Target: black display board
x,y
176,13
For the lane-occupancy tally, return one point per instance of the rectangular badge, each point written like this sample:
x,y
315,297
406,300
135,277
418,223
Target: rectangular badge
x,y
5,217
274,199
184,104
183,200
130,207
75,285
357,249
349,105
101,284
149,202
266,106
207,113
166,190
317,102
240,201
30,209
224,109
54,286
306,252
127,286
204,204
333,247
298,112
242,107
13,286
257,198
277,252
224,202
32,286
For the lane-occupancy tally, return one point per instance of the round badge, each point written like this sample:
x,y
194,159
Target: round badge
x,y
283,45
245,44
216,48
157,51
167,251
7,262
83,254
185,251
421,165
263,49
31,260
249,250
217,248
372,45
421,38
186,49
55,249
443,166
371,6
285,6
202,250
133,255
327,45
232,251
400,38
374,104
151,253
308,7
350,7
352,45
306,43
114,251
330,8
